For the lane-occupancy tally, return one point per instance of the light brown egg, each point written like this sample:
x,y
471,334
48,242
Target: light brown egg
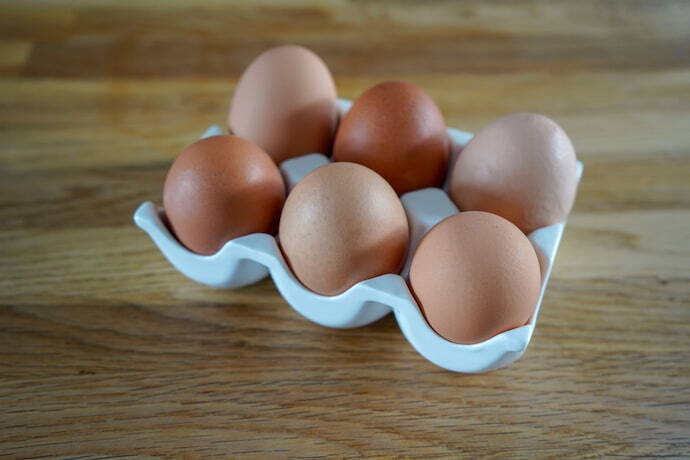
x,y
220,188
397,130
342,224
285,102
475,275
521,167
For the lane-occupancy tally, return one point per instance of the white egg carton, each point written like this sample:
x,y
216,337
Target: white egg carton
x,y
248,259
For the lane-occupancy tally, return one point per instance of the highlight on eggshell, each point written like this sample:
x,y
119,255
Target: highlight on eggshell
x,y
397,130
342,224
221,188
475,275
285,102
521,167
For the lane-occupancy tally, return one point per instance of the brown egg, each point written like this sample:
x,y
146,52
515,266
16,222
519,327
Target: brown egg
x,y
342,224
285,102
521,167
475,275
397,130
220,188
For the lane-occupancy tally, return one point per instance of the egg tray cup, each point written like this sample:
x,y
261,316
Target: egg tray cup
x,y
248,259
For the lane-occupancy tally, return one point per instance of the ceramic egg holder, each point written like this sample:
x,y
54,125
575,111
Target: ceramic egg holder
x,y
248,259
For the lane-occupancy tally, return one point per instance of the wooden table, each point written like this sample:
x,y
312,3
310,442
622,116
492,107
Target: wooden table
x,y
108,351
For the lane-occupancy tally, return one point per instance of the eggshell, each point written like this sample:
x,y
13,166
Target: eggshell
x,y
285,102
475,275
220,188
521,167
342,224
397,130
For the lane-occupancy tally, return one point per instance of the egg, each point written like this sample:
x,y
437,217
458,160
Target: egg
x,y
220,188
521,167
475,275
285,102
397,130
342,224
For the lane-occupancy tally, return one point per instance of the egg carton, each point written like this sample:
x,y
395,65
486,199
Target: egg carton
x,y
248,259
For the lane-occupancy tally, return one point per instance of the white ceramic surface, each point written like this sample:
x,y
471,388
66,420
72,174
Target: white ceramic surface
x,y
248,259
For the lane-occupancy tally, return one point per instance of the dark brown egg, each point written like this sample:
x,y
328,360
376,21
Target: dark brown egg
x,y
342,224
220,188
397,130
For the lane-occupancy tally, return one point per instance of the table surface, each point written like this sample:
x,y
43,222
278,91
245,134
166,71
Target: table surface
x,y
108,351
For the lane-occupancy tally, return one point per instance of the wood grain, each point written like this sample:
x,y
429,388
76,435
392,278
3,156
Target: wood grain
x,y
106,351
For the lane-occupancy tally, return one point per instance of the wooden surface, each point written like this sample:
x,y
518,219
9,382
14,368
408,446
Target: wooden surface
x,y
107,351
